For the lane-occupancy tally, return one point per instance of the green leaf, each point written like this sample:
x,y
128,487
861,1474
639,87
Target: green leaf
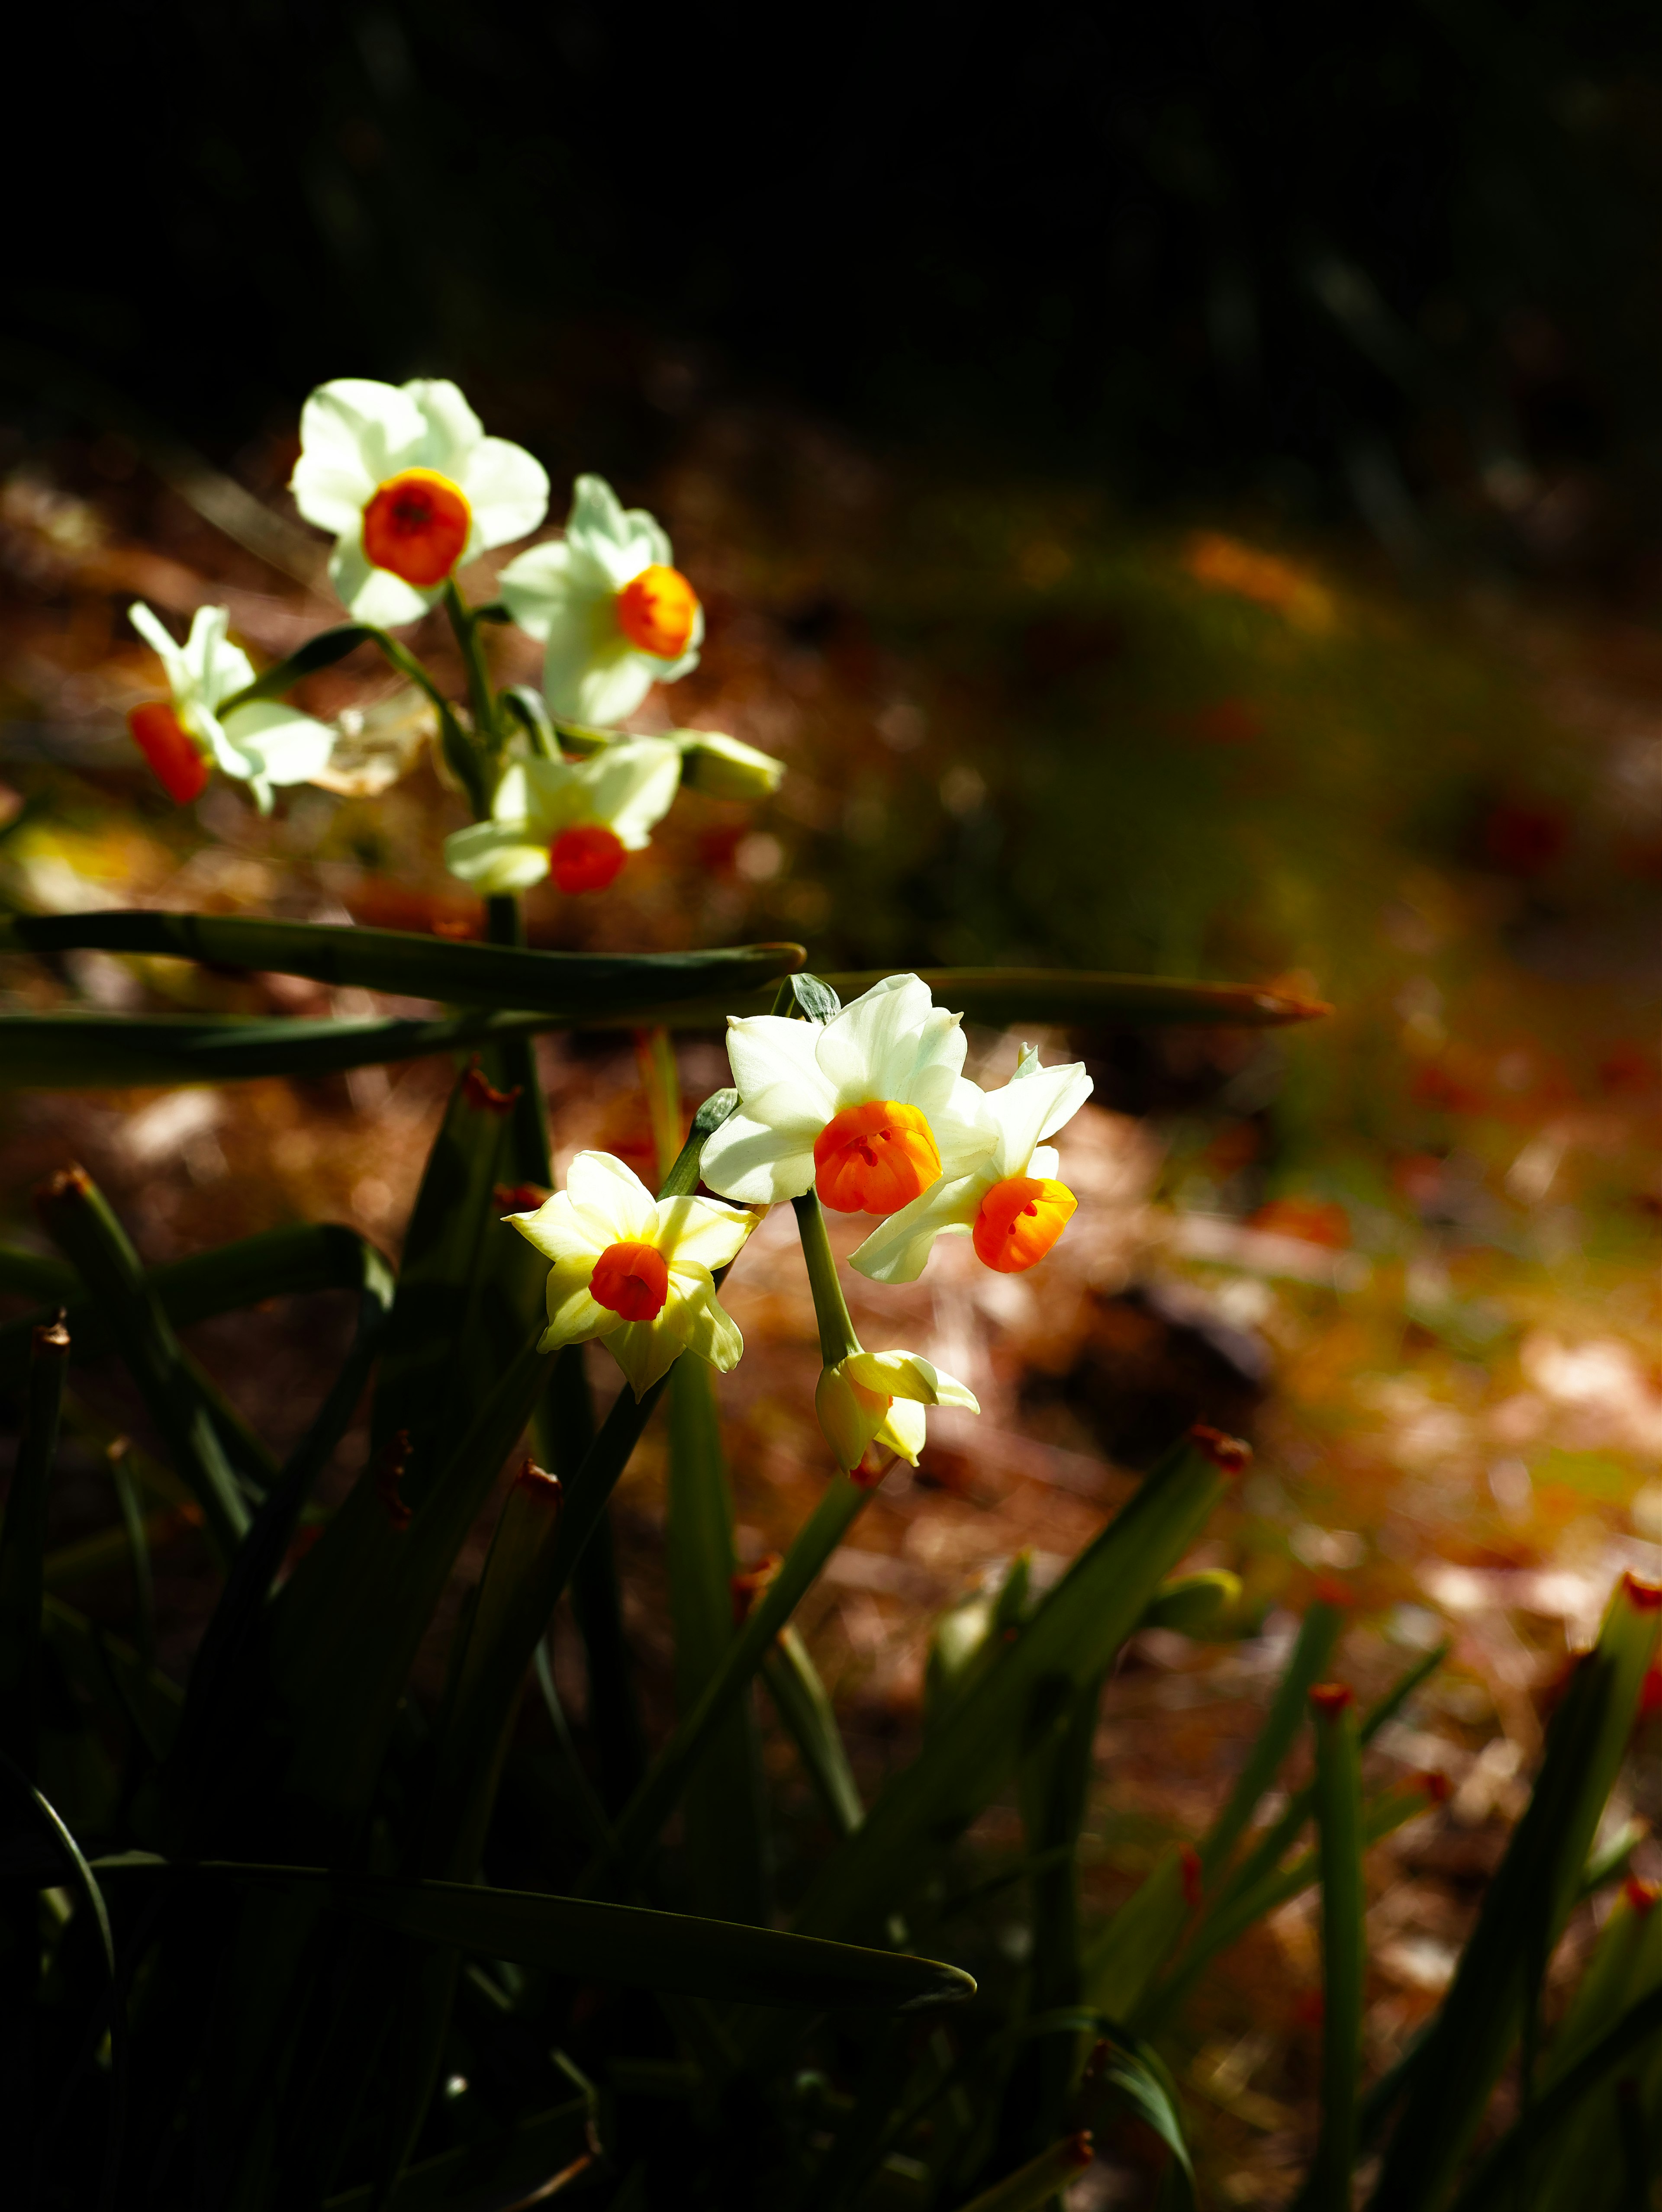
x,y
722,1812
803,1705
110,1673
288,1262
1071,1638
1138,2084
1317,1635
322,651
459,973
22,1548
82,1223
1000,996
1035,2184
1496,2184
1339,1827
621,1945
1524,1911
516,2169
38,1814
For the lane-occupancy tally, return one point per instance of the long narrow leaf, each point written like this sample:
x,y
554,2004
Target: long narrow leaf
x,y
623,1945
1525,1909
1338,1823
409,964
516,2169
1286,1717
1038,2181
88,1233
801,1699
22,1548
1071,1636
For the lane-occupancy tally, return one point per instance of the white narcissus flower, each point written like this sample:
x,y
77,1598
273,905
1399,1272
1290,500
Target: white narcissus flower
x,y
183,737
615,615
634,1270
410,487
878,1397
869,1108
578,820
1010,1203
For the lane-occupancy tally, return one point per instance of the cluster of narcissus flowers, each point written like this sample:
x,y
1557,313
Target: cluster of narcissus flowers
x,y
410,487
869,1111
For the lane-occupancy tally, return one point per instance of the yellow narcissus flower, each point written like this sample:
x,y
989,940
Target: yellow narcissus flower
x,y
614,614
636,1270
410,487
868,1108
1010,1203
879,1397
576,820
184,737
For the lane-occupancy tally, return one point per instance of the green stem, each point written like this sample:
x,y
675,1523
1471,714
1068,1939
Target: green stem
x,y
656,1799
1339,1825
479,698
460,755
836,1338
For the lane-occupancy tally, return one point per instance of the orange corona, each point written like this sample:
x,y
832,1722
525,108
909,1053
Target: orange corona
x,y
874,1159
631,1279
586,859
658,611
417,525
170,749
1019,1220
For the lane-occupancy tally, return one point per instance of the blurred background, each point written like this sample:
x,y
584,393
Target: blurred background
x,y
1181,488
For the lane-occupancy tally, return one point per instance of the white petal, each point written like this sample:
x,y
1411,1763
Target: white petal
x,y
697,1316
630,787
547,794
694,1232
600,683
1034,1106
559,1232
756,1166
1045,1165
611,1198
767,1049
536,585
450,431
354,434
905,1375
283,746
374,595
897,1249
645,1350
622,542
873,1042
574,1315
508,490
497,857
148,624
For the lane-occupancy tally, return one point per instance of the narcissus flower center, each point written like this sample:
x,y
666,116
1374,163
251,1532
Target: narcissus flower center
x,y
417,525
631,1279
586,859
875,1158
658,611
170,749
1019,1220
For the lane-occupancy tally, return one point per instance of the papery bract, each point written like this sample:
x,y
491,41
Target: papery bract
x,y
816,1100
261,743
615,615
405,474
633,1270
1009,1203
542,807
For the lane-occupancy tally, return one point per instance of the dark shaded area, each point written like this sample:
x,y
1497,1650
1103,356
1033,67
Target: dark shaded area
x,y
1394,263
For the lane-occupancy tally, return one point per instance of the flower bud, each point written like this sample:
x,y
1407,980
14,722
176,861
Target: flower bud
x,y
726,768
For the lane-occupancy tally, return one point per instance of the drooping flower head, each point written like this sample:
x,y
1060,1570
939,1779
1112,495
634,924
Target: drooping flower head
x,y
879,1397
1010,1202
576,820
633,1270
615,615
868,1108
184,737
410,487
